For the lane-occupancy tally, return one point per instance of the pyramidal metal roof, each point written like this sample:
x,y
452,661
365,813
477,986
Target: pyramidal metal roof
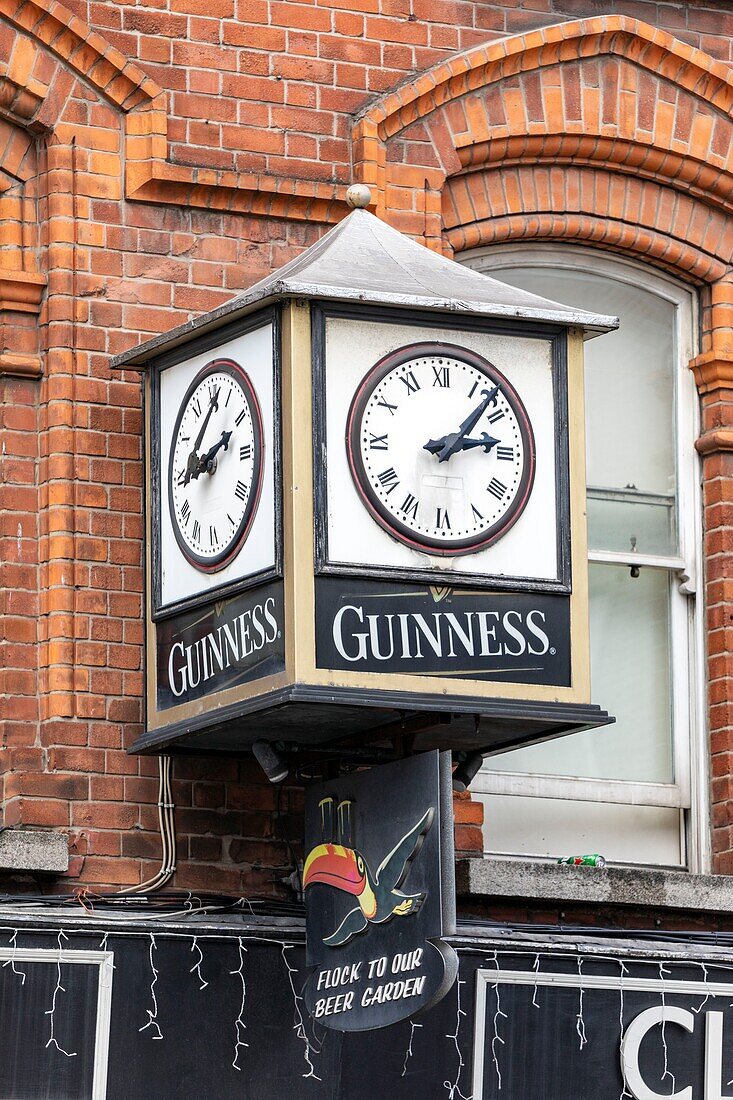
x,y
364,260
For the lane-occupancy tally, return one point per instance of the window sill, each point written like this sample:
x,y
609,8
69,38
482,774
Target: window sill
x,y
638,887
33,850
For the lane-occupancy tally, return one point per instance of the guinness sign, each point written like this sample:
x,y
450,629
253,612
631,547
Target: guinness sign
x,y
381,627
365,509
231,642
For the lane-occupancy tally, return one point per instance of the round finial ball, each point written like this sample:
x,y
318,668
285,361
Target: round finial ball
x,y
358,196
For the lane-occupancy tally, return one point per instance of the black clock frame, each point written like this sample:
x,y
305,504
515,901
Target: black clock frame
x,y
221,560
372,502
557,337
209,342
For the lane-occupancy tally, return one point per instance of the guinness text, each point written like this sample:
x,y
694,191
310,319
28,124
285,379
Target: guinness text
x,y
360,636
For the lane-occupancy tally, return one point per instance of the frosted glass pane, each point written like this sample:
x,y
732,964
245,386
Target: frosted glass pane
x,y
647,527
630,678
562,827
630,405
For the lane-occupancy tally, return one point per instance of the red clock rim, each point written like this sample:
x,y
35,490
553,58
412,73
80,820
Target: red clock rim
x,y
374,375
211,367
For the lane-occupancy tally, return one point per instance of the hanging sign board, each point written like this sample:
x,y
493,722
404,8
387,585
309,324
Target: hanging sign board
x,y
378,881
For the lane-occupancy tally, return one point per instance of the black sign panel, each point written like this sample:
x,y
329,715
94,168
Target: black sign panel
x,y
51,1026
218,1004
612,1028
216,647
378,881
375,626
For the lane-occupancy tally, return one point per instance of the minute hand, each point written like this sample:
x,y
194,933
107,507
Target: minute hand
x,y
453,442
214,404
193,461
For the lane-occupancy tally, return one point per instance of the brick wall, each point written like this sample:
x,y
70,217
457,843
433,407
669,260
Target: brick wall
x,y
157,158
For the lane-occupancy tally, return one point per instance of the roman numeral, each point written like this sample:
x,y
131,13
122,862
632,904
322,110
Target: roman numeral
x,y
442,377
231,520
388,478
240,418
442,522
409,507
476,513
505,453
196,530
496,488
196,406
185,438
241,490
213,536
377,442
410,381
474,387
245,452
181,478
386,405
494,416
185,511
227,400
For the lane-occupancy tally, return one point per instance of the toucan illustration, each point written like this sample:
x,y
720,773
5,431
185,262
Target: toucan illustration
x,y
340,865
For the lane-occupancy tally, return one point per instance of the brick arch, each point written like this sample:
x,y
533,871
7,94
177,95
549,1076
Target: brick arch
x,y
455,155
653,49
592,205
608,90
64,36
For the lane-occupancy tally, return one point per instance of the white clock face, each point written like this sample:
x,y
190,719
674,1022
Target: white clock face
x,y
215,465
441,448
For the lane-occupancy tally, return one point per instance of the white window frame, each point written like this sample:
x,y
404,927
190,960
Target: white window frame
x,y
104,962
690,791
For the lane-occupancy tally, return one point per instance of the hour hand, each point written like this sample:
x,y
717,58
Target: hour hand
x,y
486,441
444,447
208,459
450,444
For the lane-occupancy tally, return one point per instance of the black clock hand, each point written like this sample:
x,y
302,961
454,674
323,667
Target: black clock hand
x,y
214,405
194,463
486,441
205,462
450,444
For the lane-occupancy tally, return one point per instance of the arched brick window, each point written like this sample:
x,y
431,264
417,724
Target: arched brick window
x,y
610,135
637,791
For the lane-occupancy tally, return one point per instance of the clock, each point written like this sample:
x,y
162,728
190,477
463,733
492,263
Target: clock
x,y
440,448
215,465
215,458
440,451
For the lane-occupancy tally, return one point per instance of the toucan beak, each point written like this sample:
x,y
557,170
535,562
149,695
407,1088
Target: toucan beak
x,y
335,866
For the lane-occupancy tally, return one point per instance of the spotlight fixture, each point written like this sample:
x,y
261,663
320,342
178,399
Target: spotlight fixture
x,y
270,760
464,774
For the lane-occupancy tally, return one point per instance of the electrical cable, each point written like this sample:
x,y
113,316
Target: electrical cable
x,y
283,835
166,811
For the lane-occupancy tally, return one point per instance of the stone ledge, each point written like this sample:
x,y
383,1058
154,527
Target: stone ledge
x,y
33,850
588,885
